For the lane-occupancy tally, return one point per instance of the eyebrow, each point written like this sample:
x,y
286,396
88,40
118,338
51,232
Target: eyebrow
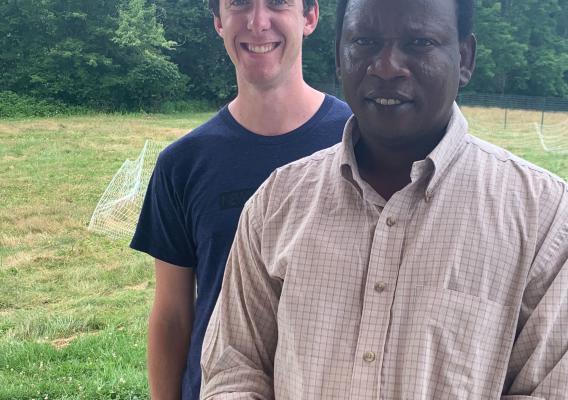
x,y
412,29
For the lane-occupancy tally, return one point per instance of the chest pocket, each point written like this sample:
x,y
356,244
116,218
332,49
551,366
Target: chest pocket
x,y
462,344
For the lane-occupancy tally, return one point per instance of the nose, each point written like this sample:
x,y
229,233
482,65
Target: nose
x,y
389,63
259,18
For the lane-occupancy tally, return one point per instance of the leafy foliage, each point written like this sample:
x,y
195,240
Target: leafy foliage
x,y
106,54
199,53
14,105
319,47
522,47
139,54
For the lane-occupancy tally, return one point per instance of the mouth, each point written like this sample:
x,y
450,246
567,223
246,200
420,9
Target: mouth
x,y
261,48
388,100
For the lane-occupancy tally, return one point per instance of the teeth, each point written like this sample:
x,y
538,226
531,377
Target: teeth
x,y
261,49
387,102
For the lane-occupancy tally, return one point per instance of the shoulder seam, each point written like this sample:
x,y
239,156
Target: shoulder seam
x,y
314,158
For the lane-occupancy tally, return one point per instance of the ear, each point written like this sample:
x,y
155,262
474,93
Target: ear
x,y
467,58
311,19
218,25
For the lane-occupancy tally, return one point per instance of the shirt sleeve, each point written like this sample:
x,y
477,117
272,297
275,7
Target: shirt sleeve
x,y
538,367
162,229
240,343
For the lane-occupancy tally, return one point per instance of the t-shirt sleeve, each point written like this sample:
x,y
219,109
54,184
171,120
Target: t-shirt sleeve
x,y
162,229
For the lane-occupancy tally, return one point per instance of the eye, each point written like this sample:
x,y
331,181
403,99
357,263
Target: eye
x,y
277,3
364,41
422,42
238,3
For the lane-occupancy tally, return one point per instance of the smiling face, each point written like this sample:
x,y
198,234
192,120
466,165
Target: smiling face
x,y
264,38
401,64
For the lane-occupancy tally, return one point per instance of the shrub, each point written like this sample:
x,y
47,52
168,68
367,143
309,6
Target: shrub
x,y
13,105
185,106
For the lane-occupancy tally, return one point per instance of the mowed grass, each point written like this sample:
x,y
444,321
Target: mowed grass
x,y
518,134
74,305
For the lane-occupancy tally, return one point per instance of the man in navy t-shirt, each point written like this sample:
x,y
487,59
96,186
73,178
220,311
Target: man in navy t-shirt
x,y
202,181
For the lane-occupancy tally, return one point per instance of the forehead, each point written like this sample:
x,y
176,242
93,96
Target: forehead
x,y
229,3
393,16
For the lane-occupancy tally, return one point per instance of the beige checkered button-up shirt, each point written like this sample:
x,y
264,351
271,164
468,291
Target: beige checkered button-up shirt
x,y
456,288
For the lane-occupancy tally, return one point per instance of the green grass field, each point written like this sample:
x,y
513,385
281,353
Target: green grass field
x,y
73,305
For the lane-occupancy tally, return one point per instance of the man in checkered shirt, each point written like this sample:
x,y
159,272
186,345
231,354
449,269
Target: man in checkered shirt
x,y
412,260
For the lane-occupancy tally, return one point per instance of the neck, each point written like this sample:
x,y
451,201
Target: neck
x,y
275,110
387,169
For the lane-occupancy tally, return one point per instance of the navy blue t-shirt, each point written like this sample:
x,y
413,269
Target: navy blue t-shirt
x,y
197,191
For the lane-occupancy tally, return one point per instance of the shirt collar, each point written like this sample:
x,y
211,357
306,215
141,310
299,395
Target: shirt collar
x,y
451,145
434,165
347,162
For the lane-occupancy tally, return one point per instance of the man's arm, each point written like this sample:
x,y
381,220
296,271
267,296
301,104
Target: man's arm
x,y
538,367
240,343
169,329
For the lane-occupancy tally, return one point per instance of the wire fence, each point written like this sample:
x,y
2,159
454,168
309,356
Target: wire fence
x,y
510,103
489,100
513,102
505,102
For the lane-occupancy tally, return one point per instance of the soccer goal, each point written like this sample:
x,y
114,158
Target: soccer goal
x,y
116,213
553,137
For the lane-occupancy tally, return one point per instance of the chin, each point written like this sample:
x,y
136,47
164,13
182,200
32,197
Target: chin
x,y
393,137
262,78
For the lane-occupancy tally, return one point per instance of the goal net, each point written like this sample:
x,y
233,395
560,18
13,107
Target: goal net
x,y
116,213
553,137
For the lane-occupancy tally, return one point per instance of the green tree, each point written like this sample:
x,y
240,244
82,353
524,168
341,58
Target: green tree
x,y
539,26
199,52
547,56
26,28
102,53
501,63
137,54
148,76
319,49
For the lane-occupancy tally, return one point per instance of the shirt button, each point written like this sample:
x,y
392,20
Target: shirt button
x,y
369,356
428,197
390,221
380,287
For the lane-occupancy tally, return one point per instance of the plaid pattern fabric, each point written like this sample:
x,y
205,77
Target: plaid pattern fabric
x,y
456,288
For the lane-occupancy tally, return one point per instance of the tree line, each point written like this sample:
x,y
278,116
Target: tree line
x,y
136,54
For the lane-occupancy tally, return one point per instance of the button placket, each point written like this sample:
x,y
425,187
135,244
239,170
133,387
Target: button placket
x,y
383,264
